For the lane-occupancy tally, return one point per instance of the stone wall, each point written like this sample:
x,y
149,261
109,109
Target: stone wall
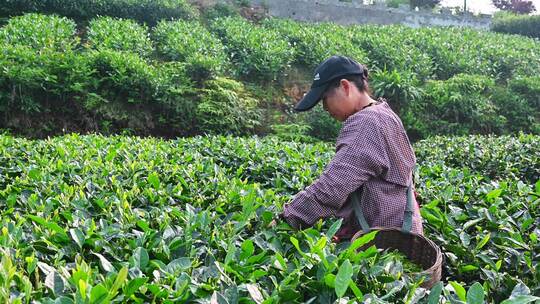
x,y
355,12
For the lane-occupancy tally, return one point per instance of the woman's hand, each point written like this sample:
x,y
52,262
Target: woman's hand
x,y
276,221
272,224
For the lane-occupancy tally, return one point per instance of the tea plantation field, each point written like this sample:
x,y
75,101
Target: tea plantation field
x,y
93,219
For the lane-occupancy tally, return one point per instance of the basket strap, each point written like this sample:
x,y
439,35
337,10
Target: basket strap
x,y
407,217
358,212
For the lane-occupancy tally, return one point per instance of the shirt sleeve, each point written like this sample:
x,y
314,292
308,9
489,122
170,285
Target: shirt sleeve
x,y
360,156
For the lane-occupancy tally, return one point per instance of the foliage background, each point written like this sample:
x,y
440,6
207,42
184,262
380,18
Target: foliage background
x,y
66,69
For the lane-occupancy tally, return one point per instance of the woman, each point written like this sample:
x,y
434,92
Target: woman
x,y
374,158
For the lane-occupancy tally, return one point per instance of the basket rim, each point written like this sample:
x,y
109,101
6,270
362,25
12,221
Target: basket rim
x,y
438,259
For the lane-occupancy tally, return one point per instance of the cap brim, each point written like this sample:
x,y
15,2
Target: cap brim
x,y
310,99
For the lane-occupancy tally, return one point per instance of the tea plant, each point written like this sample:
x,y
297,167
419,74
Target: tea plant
x,y
254,50
40,32
226,107
190,42
119,35
316,42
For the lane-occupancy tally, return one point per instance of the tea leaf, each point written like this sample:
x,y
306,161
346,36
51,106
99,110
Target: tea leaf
x,y
334,229
524,299
435,293
134,285
55,282
475,294
99,294
52,226
460,291
483,242
140,258
343,277
361,241
107,266
247,249
255,293
153,179
119,281
77,236
357,292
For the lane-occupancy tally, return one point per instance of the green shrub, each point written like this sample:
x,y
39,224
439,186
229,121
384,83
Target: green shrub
x,y
316,42
40,92
43,69
21,79
130,93
190,42
392,48
28,75
107,91
322,125
121,76
429,53
220,10
526,112
529,89
460,105
399,89
100,209
119,35
147,11
441,53
175,108
495,157
296,132
332,40
485,55
226,107
123,87
518,24
446,52
151,11
520,115
40,32
507,63
256,51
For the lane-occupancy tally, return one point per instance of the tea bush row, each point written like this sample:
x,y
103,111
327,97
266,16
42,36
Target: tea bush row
x,y
521,25
144,11
108,33
111,91
192,43
142,220
428,52
468,104
121,75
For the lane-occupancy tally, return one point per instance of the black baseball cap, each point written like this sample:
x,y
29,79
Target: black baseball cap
x,y
328,70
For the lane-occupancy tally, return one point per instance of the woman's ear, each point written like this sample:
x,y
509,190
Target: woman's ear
x,y
346,85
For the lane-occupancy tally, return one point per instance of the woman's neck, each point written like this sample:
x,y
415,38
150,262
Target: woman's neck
x,y
363,101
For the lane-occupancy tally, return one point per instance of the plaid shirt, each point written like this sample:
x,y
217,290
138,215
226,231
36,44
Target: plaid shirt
x,y
373,153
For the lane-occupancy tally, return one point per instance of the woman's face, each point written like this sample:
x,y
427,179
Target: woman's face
x,y
338,102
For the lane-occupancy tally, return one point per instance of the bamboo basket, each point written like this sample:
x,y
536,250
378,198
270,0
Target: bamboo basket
x,y
418,249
